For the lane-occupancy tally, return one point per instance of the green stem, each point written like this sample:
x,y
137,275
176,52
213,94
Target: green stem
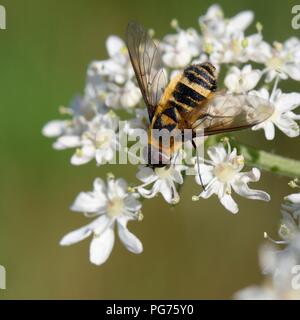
x,y
270,162
265,160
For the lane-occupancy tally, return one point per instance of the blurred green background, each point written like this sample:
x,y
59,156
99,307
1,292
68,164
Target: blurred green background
x,y
195,250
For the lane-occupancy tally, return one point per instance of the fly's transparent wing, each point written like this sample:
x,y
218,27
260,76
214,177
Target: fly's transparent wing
x,y
226,112
147,64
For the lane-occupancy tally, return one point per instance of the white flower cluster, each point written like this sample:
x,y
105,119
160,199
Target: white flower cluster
x,y
281,267
92,127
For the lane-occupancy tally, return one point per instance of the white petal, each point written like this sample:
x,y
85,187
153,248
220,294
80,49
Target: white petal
x,y
263,93
131,97
293,71
146,174
241,21
240,186
231,81
238,82
206,173
132,204
293,115
288,126
211,189
114,45
229,203
76,236
103,155
165,190
121,188
69,141
112,100
255,293
175,60
176,175
251,80
253,176
294,197
130,241
269,130
99,225
152,192
54,128
99,185
101,247
85,155
288,101
58,146
89,202
217,153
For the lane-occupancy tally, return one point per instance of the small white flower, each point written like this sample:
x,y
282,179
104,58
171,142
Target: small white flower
x,y
111,205
214,25
277,266
290,222
55,128
281,59
283,117
224,39
222,173
111,81
229,49
84,107
139,122
117,69
163,180
289,229
179,49
242,80
292,205
68,132
124,97
99,141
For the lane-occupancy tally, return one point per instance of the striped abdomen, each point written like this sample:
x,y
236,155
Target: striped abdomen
x,y
185,93
196,84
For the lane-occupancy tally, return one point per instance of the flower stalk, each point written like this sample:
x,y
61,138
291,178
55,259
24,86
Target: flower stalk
x,y
269,161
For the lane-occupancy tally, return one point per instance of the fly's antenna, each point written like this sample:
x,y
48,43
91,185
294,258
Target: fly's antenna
x,y
198,165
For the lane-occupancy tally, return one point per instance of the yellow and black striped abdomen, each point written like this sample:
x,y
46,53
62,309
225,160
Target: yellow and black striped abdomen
x,y
194,86
184,93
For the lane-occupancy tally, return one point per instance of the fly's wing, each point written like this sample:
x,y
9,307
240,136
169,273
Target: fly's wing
x,y
224,113
147,64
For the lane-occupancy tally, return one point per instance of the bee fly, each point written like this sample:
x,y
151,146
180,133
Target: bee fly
x,y
189,101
